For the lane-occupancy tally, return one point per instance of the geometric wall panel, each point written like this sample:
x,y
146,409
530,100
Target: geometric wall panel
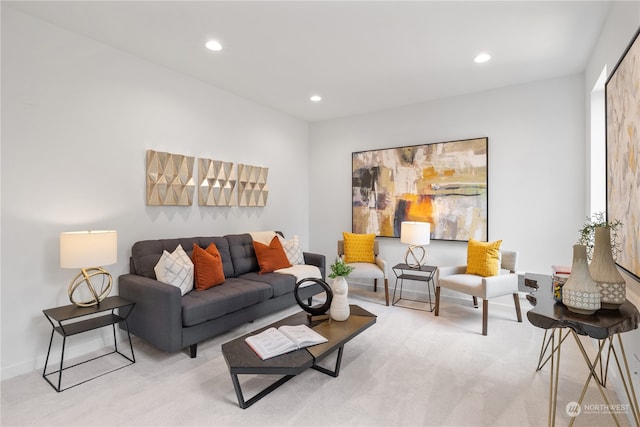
x,y
169,179
216,183
252,185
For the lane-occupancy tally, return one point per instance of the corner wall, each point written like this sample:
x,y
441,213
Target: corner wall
x,y
536,167
621,25
78,117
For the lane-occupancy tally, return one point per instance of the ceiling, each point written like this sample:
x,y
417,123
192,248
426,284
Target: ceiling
x,y
360,56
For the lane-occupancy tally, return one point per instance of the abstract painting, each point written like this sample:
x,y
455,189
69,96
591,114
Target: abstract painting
x,y
442,183
623,154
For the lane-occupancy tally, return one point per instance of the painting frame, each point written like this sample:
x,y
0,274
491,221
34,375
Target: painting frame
x,y
443,183
622,112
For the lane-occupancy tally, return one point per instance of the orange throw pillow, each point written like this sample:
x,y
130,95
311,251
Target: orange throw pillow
x,y
271,257
208,267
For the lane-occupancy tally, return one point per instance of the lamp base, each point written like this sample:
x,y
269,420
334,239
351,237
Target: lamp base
x,y
85,276
416,263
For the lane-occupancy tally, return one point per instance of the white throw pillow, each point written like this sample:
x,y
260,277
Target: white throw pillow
x,y
292,249
176,269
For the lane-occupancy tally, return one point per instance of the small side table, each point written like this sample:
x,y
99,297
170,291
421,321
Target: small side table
x,y
424,273
71,320
605,326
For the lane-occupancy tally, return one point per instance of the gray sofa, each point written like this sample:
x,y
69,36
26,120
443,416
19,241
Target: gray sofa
x,y
170,322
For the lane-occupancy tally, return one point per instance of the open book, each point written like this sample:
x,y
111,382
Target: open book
x,y
274,342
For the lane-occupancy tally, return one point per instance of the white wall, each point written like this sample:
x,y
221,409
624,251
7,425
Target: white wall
x,y
77,119
536,167
621,25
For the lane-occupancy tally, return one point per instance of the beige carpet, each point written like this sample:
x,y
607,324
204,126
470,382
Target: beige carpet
x,y
409,369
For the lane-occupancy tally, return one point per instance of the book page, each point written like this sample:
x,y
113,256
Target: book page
x,y
270,343
302,335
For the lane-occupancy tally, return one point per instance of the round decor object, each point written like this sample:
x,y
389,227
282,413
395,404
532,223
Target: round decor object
x,y
84,277
314,311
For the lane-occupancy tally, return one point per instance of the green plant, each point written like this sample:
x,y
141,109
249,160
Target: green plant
x,y
588,231
339,268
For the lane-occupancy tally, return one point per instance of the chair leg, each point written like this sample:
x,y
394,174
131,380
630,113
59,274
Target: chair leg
x,y
437,310
386,291
485,310
475,302
375,285
516,300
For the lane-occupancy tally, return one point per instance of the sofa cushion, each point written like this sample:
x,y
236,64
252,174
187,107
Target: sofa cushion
x,y
233,295
175,269
271,257
358,247
207,267
280,283
243,256
483,258
292,249
145,254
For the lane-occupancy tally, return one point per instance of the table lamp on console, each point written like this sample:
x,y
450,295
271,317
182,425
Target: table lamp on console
x,y
416,235
84,250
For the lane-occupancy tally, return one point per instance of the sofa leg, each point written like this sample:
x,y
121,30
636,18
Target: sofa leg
x,y
375,286
193,350
475,302
437,310
485,313
516,300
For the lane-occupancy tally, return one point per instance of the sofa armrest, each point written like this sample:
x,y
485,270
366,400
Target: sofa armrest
x,y
157,315
318,260
501,284
382,264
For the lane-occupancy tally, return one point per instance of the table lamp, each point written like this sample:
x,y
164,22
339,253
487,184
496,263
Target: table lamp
x,y
84,250
415,234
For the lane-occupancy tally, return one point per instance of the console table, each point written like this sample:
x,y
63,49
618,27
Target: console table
x,y
423,273
71,320
604,325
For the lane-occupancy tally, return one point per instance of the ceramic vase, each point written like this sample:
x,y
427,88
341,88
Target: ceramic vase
x,y
604,271
580,293
339,309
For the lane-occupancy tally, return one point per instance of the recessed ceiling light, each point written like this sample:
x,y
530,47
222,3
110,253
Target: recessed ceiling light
x,y
214,45
483,57
315,98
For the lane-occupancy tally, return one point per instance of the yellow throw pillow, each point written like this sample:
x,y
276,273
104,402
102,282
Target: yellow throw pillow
x,y
483,258
358,247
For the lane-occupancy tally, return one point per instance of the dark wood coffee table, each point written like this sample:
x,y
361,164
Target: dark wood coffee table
x,y
242,360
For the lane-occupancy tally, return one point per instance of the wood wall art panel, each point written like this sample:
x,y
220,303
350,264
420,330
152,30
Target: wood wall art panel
x,y
169,179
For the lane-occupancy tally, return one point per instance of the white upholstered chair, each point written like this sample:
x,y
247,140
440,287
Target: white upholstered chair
x,y
505,283
367,270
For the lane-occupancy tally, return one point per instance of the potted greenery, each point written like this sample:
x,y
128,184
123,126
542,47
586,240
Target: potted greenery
x,y
340,269
588,233
601,240
339,309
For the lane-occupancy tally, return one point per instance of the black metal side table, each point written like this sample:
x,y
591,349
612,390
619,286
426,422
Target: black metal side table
x,y
71,320
423,273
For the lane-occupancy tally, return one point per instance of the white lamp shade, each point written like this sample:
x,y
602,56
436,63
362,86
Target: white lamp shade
x,y
415,233
84,249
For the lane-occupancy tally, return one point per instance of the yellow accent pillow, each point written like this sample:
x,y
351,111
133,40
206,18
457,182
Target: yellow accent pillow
x,y
358,247
483,258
